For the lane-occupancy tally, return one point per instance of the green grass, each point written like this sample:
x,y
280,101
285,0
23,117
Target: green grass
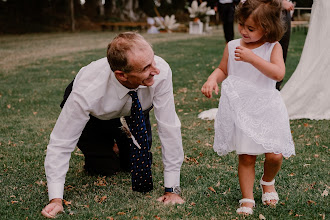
x,y
29,99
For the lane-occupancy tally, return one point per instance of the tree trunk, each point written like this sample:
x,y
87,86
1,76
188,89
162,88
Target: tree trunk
x,y
72,16
101,8
91,8
131,10
126,10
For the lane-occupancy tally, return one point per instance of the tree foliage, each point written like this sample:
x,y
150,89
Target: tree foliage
x,y
304,3
21,16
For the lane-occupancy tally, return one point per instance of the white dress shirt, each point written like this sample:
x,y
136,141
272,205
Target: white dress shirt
x,y
97,91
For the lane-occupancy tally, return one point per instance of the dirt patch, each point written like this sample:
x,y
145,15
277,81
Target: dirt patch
x,y
20,50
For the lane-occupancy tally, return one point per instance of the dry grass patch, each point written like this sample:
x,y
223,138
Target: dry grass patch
x,y
20,50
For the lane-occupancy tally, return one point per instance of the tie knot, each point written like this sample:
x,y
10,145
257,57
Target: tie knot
x,y
132,93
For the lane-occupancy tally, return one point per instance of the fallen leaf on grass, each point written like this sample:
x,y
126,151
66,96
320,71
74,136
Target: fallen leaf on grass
x,y
100,200
191,159
310,202
156,217
78,154
193,204
67,203
227,191
212,189
69,187
41,183
14,202
306,125
325,193
121,213
100,181
110,218
261,216
291,174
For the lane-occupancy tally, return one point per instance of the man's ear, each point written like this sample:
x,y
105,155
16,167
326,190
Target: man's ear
x,y
120,75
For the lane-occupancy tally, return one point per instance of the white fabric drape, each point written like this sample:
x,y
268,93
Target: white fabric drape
x,y
307,93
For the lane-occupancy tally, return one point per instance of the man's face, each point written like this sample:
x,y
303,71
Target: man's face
x,y
144,67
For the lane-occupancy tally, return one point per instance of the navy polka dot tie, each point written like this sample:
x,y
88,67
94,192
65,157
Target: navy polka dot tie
x,y
141,158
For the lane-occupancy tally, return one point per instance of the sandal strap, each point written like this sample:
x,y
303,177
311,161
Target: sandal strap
x,y
245,210
270,196
262,182
247,200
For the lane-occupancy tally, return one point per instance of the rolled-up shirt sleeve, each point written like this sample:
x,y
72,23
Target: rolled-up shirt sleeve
x,y
63,140
169,129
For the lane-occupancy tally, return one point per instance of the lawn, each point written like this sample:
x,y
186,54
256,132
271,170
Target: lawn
x,y
32,82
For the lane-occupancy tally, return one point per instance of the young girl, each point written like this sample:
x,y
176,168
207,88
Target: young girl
x,y
252,118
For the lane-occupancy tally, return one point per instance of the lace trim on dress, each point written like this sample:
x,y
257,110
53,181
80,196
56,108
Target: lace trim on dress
x,y
259,113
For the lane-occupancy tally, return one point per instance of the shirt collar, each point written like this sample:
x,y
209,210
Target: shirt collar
x,y
120,89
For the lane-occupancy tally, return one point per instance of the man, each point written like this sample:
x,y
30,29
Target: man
x,y
227,13
102,92
286,13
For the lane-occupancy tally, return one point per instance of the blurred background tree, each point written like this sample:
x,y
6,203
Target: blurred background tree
x,y
22,16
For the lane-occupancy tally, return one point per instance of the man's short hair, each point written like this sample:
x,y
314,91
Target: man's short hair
x,y
119,47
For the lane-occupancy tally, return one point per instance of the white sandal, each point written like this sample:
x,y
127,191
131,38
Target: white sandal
x,y
268,196
243,209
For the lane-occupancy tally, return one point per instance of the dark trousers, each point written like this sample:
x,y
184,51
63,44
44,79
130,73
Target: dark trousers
x,y
285,40
97,141
227,12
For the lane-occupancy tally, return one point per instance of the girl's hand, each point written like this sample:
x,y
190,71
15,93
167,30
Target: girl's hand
x,y
208,88
243,54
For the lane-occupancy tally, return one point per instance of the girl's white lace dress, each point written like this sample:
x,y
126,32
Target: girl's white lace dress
x,y
252,118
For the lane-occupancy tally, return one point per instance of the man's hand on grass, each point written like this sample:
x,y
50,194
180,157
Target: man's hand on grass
x,y
170,198
53,208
